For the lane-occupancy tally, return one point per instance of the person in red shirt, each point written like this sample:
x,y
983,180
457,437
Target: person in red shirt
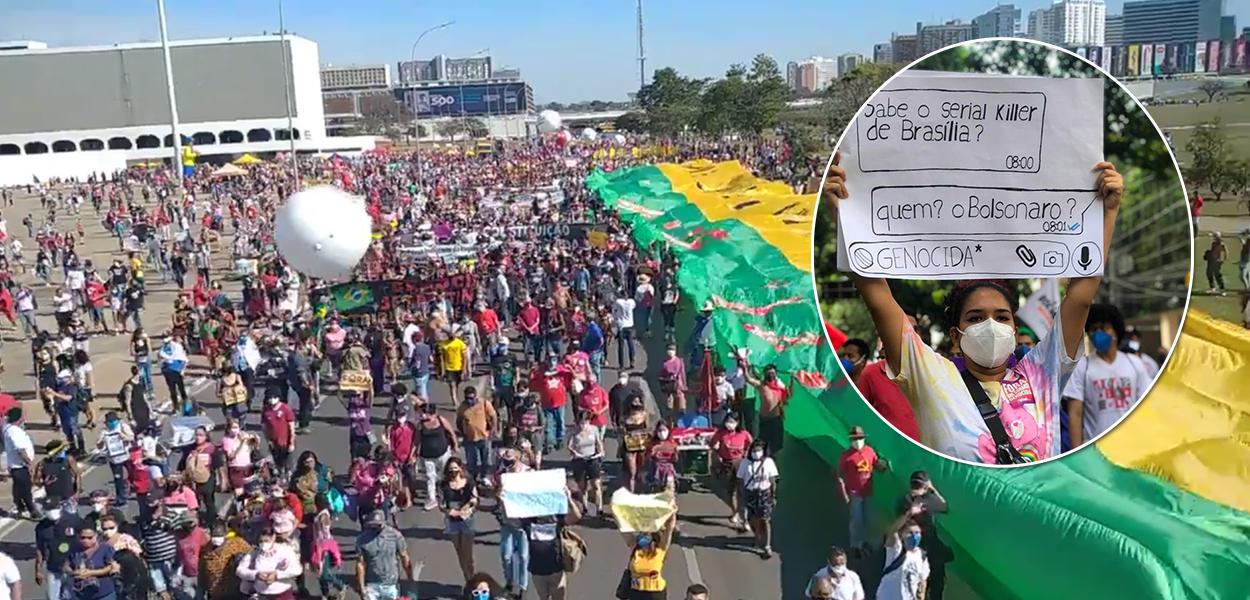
x,y
855,469
401,436
884,395
594,400
552,388
292,502
528,320
1195,210
278,421
97,297
487,324
730,444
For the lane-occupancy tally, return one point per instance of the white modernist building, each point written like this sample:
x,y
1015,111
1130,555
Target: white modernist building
x,y
68,112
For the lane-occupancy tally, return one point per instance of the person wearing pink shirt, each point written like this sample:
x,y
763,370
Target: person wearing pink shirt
x,y
673,382
271,568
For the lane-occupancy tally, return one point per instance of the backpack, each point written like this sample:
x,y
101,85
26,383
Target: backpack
x,y
337,501
196,470
573,550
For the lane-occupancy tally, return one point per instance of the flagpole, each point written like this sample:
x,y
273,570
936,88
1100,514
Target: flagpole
x,y
286,88
169,82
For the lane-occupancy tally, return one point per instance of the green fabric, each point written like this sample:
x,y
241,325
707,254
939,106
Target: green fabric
x,y
352,296
1079,527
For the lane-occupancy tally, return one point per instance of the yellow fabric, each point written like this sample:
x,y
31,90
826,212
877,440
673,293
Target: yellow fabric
x,y
645,513
453,354
1193,426
646,571
246,159
727,190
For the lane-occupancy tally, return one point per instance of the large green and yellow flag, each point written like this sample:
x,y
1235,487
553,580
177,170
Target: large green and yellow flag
x,y
1158,509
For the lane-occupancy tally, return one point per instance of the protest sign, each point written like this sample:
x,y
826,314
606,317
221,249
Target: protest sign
x,y
571,231
531,494
1039,310
362,297
958,176
643,513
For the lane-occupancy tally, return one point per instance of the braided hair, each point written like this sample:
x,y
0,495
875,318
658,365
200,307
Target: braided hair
x,y
955,301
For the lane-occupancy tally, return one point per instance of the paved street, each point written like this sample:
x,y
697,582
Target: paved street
x,y
710,551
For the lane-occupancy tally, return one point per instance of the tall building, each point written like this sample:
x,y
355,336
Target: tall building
x,y
815,74
1228,28
1044,26
1084,22
441,68
233,96
848,62
792,75
935,37
355,77
1071,23
905,48
883,53
1172,21
1114,31
1001,21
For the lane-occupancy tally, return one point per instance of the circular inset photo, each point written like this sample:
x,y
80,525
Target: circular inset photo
x,y
1006,247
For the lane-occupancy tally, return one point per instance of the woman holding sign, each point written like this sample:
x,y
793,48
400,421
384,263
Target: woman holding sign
x,y
988,413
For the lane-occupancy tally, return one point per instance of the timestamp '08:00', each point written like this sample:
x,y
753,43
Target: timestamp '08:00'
x,y
1020,163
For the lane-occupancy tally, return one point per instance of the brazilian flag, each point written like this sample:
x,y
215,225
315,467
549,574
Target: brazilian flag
x,y
1158,508
353,297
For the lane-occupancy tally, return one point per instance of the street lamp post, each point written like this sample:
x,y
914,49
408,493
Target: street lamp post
x,y
412,104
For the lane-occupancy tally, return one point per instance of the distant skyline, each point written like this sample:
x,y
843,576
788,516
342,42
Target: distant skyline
x,y
567,50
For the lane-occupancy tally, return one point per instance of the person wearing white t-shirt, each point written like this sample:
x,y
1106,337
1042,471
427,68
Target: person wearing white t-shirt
x,y
19,452
10,579
758,475
846,583
1105,385
623,316
906,572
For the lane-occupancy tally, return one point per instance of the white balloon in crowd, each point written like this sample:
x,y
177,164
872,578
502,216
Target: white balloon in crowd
x,y
323,232
548,121
589,134
618,139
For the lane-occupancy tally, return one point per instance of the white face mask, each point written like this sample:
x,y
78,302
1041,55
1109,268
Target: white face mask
x,y
99,507
757,454
54,514
266,547
662,434
217,541
839,570
988,343
857,444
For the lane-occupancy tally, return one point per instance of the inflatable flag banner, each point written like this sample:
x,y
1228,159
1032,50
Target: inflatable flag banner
x,y
1159,508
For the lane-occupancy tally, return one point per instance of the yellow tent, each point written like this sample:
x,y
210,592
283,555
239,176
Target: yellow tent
x,y
229,171
247,159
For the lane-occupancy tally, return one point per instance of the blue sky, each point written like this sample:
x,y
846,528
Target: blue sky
x,y
568,49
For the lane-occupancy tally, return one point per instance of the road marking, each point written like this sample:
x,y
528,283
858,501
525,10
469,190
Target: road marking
x,y
692,565
9,524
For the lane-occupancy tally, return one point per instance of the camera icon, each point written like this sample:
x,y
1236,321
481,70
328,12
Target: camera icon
x,y
1052,258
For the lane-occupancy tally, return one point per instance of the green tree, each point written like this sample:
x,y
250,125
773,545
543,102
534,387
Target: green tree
x,y
670,101
476,128
452,128
1208,166
633,121
766,96
723,103
845,96
1212,87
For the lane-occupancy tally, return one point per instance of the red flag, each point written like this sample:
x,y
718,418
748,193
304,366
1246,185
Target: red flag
x,y
707,383
836,336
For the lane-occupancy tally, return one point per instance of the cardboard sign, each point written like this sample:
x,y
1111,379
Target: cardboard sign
x,y
534,493
958,176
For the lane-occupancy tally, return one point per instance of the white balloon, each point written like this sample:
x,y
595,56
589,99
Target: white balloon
x,y
548,121
589,134
618,139
323,232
